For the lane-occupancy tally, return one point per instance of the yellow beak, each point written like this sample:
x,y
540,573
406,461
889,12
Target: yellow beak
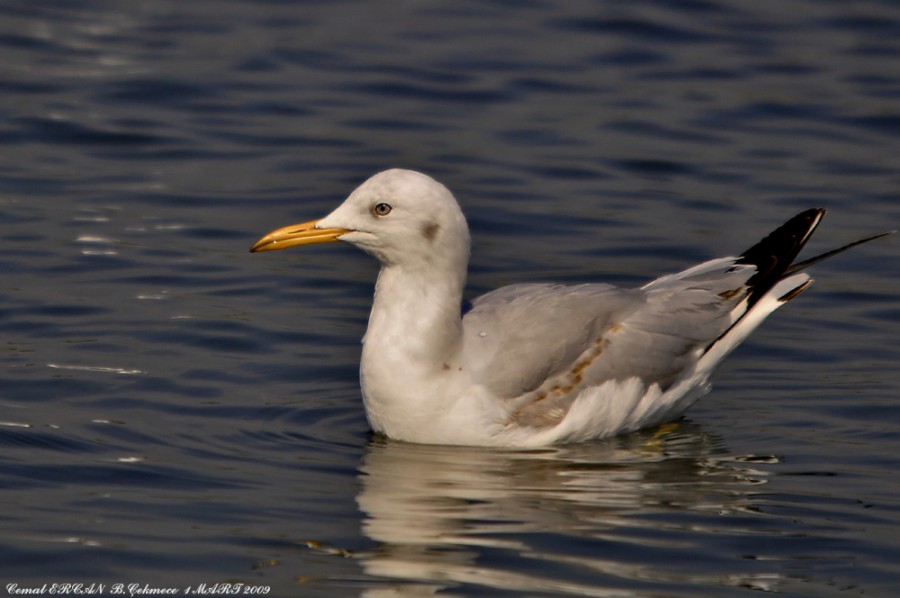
x,y
304,233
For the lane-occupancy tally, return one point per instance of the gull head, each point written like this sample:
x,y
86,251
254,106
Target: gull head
x,y
403,218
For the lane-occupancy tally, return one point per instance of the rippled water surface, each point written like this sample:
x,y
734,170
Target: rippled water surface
x,y
175,411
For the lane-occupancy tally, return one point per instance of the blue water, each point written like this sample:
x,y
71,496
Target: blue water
x,y
175,411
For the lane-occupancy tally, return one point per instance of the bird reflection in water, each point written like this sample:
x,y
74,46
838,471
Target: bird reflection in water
x,y
450,517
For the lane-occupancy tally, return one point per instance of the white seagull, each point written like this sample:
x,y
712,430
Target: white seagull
x,y
536,364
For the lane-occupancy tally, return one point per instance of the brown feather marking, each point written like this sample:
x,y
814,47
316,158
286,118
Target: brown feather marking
x,y
731,293
430,231
551,412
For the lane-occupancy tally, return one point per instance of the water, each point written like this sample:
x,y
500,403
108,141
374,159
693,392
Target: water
x,y
175,411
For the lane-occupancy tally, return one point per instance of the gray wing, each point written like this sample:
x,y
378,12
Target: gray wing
x,y
517,337
542,344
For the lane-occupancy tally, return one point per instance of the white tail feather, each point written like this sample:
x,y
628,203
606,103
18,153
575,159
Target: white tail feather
x,y
778,295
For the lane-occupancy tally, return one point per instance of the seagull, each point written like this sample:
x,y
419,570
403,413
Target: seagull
x,y
532,365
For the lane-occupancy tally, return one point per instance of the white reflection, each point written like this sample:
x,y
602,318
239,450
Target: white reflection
x,y
436,511
95,368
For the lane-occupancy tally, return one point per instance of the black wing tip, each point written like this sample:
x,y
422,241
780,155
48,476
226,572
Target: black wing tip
x,y
797,266
774,255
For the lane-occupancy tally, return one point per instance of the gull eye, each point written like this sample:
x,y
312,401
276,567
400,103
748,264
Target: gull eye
x,y
382,209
